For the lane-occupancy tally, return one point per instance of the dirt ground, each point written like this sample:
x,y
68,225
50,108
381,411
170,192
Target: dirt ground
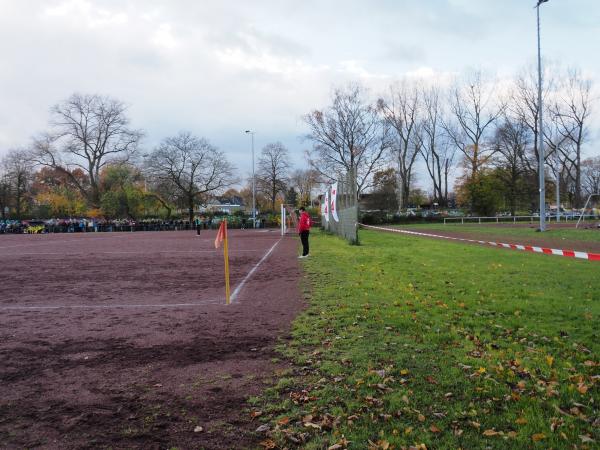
x,y
545,239
122,340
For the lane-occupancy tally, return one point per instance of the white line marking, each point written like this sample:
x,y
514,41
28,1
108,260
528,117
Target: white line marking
x,y
92,252
247,277
158,305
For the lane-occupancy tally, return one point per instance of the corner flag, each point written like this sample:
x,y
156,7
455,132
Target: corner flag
x,y
222,237
221,234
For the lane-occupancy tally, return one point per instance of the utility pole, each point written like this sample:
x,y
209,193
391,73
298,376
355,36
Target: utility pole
x,y
541,126
251,133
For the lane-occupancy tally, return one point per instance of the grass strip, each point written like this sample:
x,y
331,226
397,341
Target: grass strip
x,y
516,231
416,343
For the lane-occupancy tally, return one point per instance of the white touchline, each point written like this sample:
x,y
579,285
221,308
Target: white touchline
x,y
159,305
93,252
247,277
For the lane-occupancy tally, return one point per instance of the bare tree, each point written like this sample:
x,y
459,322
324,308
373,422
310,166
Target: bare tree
x,y
591,175
304,182
438,153
571,113
475,108
511,142
191,167
88,132
18,175
401,112
347,135
273,168
5,192
524,107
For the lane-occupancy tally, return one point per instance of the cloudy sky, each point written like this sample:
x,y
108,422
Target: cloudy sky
x,y
220,67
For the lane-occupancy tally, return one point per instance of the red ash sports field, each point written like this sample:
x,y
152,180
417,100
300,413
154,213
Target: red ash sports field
x,y
123,339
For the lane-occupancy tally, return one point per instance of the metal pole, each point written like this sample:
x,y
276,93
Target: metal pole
x,y
253,187
253,182
557,191
541,129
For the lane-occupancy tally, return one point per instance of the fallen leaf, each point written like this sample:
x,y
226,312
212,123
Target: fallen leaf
x,y
408,430
586,438
512,434
434,429
404,372
549,360
521,421
430,379
283,421
421,418
383,445
491,432
582,388
254,414
538,437
268,444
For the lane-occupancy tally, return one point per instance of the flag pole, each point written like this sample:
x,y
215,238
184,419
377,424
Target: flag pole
x,y
226,256
222,237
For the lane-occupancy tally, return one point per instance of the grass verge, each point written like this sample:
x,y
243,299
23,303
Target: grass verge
x,y
419,343
516,231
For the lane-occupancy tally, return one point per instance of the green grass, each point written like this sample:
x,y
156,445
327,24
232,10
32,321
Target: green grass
x,y
410,341
587,235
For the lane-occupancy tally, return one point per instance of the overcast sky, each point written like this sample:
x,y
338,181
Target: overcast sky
x,y
220,67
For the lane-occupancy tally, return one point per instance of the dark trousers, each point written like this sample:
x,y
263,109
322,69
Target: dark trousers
x,y
198,228
304,239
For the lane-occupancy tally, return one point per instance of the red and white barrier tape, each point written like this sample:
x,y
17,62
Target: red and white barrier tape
x,y
527,248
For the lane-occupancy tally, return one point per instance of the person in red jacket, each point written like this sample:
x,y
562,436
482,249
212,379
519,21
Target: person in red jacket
x,y
304,230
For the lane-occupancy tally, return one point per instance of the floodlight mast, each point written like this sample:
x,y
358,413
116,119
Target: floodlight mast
x,y
542,181
253,183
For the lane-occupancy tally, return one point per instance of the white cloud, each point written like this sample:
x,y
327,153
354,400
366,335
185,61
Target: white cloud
x,y
163,37
82,11
218,68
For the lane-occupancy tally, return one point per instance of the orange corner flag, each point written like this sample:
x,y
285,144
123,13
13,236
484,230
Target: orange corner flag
x,y
221,234
222,237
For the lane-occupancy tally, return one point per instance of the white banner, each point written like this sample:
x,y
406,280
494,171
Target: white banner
x,y
325,206
334,202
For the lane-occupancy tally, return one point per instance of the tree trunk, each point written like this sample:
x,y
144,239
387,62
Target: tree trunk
x,y
191,209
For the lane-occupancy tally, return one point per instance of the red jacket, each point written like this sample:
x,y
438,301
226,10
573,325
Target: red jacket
x,y
304,223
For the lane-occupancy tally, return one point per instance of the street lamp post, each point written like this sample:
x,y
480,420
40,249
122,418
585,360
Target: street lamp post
x,y
541,129
253,182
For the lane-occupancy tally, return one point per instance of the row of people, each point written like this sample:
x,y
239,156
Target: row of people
x,y
82,225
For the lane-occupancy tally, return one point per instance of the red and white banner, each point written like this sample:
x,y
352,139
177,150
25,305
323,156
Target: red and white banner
x,y
325,206
334,202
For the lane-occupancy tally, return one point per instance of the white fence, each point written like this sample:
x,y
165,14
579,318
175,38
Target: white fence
x,y
515,219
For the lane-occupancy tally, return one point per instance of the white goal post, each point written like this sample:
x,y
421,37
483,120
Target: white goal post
x,y
582,215
289,219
